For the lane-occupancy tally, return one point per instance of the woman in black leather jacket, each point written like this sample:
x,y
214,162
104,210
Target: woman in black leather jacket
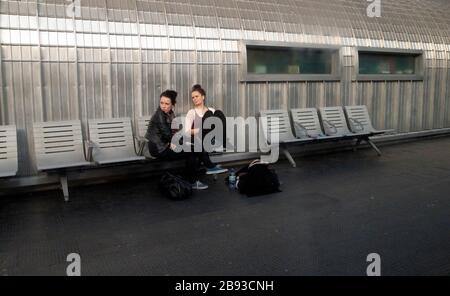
x,y
159,134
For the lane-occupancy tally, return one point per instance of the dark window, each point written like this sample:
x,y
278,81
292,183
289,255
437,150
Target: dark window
x,y
282,60
387,63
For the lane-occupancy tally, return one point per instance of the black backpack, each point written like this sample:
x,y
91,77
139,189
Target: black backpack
x,y
174,187
258,178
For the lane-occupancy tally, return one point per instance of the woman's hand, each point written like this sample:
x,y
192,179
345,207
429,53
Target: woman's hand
x,y
195,131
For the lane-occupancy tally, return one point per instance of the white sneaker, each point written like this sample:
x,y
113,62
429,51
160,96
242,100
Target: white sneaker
x,y
199,186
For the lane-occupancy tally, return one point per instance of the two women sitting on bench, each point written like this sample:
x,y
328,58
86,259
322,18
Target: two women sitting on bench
x,y
160,134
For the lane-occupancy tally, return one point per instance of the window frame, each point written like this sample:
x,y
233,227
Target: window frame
x,y
247,77
419,65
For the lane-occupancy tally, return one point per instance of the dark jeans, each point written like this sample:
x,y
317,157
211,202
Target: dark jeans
x,y
193,162
203,156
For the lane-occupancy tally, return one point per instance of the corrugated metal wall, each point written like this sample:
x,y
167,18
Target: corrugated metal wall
x,y
115,58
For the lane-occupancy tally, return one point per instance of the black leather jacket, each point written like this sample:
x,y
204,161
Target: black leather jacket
x,y
159,132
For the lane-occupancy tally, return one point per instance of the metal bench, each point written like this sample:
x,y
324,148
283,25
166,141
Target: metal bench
x,y
8,151
111,141
307,124
58,146
359,122
335,123
277,122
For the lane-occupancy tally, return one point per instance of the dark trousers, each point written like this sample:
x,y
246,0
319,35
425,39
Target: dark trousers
x,y
193,162
203,156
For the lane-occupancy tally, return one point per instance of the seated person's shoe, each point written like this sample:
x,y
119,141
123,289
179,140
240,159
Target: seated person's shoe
x,y
216,170
199,186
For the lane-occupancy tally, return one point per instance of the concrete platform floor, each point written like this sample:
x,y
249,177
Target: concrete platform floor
x,y
334,210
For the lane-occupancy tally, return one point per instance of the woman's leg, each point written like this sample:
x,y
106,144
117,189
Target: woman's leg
x,y
219,114
203,157
191,169
169,154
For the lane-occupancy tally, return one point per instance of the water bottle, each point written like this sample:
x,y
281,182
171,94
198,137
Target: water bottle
x,y
232,179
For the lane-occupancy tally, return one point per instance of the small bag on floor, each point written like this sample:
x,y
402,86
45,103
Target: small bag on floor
x,y
174,187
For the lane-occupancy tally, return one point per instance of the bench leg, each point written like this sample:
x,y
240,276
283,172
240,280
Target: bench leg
x,y
289,157
357,144
372,144
64,187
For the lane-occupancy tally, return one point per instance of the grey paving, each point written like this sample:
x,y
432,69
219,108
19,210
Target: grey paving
x,y
334,210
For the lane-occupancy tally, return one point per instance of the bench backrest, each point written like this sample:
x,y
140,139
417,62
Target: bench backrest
x,y
306,118
113,140
142,124
278,122
359,119
335,116
8,151
58,144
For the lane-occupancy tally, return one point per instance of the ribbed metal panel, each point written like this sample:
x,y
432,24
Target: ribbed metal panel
x,y
116,58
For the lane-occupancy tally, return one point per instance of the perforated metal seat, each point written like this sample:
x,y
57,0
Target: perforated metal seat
x,y
112,141
278,123
8,151
359,120
276,128
334,122
59,146
307,124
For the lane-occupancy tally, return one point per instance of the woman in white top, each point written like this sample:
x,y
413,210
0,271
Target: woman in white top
x,y
194,124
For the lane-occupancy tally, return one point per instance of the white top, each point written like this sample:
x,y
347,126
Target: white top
x,y
194,117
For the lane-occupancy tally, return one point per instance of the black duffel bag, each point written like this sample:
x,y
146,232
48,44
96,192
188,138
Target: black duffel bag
x,y
174,187
258,178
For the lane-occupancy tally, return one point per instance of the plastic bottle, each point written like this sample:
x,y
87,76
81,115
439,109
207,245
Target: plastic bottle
x,y
232,179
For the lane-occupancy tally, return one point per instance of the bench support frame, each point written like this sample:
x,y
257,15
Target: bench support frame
x,y
288,155
364,138
64,185
368,141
